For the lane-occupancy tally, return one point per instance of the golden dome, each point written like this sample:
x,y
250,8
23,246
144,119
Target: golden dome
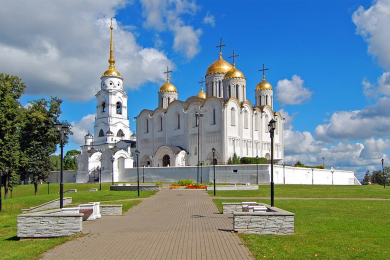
x,y
234,73
219,66
168,87
201,94
264,85
111,72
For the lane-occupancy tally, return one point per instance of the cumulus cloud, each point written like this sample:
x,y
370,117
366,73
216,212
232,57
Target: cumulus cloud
x,y
373,25
382,87
372,121
165,15
63,50
292,92
209,19
80,128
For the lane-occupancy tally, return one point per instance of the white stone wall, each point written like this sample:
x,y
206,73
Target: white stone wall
x,y
48,205
111,210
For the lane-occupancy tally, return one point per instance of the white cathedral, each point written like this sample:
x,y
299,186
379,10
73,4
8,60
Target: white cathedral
x,y
180,133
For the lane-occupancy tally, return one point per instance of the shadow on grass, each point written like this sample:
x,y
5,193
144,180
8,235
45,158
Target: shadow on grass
x,y
14,238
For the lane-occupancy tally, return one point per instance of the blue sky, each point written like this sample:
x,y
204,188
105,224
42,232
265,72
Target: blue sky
x,y
328,62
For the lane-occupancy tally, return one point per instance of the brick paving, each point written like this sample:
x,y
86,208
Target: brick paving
x,y
173,224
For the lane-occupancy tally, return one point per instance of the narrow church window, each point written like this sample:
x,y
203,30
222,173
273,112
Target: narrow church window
x,y
246,119
161,125
146,125
237,91
266,100
120,133
230,91
233,117
101,133
196,120
219,89
104,107
178,121
169,100
214,116
119,108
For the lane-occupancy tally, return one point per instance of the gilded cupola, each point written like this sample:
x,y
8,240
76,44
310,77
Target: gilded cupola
x,y
264,85
201,94
219,66
111,68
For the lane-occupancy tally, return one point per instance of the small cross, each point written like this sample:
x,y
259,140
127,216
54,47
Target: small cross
x,y
202,81
233,56
263,70
167,72
220,46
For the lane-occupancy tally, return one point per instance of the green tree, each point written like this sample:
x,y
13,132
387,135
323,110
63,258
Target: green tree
x,y
11,88
39,137
70,160
234,160
55,162
299,164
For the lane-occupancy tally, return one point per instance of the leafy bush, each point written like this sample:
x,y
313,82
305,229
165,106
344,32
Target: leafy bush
x,y
251,160
185,182
320,167
158,183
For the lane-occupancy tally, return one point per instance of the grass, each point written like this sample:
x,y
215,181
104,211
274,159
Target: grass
x,y
325,229
23,197
309,191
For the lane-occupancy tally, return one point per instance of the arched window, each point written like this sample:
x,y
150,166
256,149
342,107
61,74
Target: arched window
x,y
233,116
237,91
146,125
120,133
119,108
246,119
101,133
166,160
178,121
104,106
214,121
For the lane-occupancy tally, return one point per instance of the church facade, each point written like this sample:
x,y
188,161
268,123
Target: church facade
x,y
208,127
182,133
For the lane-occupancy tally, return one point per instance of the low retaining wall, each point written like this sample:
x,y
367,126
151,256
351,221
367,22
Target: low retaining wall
x,y
111,210
135,188
273,222
48,205
233,187
52,223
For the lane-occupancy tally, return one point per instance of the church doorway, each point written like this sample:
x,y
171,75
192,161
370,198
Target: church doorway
x,y
166,160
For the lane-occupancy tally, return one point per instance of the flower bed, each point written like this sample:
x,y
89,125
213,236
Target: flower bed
x,y
187,187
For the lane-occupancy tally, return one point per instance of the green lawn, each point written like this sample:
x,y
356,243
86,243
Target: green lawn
x,y
23,198
325,229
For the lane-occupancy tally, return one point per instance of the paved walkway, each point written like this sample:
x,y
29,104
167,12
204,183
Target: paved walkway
x,y
173,224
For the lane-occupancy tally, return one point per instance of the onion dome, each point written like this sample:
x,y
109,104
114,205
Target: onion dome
x,y
168,87
201,94
109,132
111,68
88,135
264,85
219,66
234,73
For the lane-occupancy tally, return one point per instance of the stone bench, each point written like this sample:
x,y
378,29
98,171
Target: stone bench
x,y
71,191
273,221
229,208
91,210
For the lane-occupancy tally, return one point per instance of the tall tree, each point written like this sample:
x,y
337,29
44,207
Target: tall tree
x,y
11,88
70,160
39,137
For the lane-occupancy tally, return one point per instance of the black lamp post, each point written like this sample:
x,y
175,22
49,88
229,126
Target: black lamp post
x,y
100,176
198,116
323,161
48,188
331,169
383,172
62,130
143,173
112,178
137,154
257,169
214,166
1,184
271,128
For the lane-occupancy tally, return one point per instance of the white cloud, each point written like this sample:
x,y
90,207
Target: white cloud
x,y
209,19
168,15
81,128
373,25
61,50
372,121
292,92
382,87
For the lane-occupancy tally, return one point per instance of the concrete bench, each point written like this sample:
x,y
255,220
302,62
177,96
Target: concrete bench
x,y
257,208
91,210
71,191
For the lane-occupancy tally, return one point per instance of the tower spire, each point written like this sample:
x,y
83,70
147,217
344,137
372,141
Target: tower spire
x,y
111,61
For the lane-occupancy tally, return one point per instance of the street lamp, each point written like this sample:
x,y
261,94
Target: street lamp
x,y
331,169
383,172
198,116
112,178
137,154
323,161
271,129
257,169
214,166
62,130
100,176
143,173
48,188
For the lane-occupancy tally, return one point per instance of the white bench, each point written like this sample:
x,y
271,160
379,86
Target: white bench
x,y
247,204
91,210
257,208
